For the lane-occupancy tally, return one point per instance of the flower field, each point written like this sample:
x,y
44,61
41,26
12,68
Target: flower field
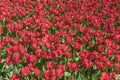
x,y
59,39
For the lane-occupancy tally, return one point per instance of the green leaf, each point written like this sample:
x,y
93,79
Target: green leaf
x,y
105,16
85,23
67,74
47,8
30,14
50,17
5,30
43,47
53,30
28,47
116,23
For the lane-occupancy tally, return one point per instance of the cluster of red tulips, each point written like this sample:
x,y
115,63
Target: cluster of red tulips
x,y
59,39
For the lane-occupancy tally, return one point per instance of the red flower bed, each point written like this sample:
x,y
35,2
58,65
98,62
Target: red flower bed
x,y
59,39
